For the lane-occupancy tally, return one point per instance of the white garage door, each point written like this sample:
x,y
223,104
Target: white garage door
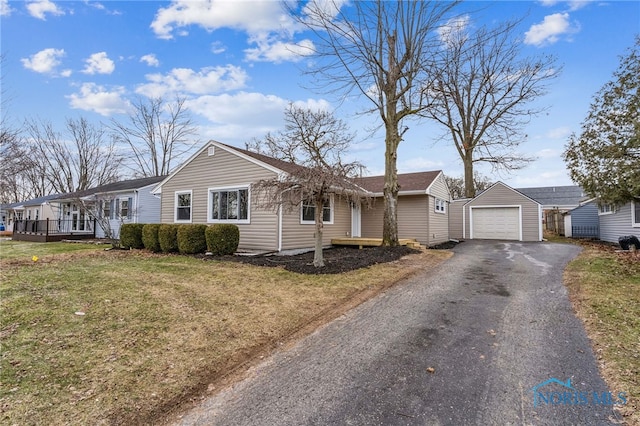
x,y
496,223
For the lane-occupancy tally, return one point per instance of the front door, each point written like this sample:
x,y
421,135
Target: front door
x,y
355,220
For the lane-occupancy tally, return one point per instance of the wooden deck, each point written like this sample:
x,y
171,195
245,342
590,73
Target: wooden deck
x,y
373,242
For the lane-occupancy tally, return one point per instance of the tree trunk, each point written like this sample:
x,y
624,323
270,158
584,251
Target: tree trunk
x,y
469,184
318,260
390,192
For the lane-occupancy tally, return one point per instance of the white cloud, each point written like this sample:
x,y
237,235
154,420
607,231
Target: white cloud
x,y
250,16
558,133
218,47
206,81
150,60
39,9
93,97
270,50
237,118
453,29
99,63
45,61
550,30
267,25
548,153
418,164
5,8
573,4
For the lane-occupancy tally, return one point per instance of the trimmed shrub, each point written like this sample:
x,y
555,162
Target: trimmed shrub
x,y
131,235
222,238
150,237
191,238
168,237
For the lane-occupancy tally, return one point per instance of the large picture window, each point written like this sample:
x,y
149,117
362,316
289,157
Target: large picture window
x,y
229,205
308,214
183,206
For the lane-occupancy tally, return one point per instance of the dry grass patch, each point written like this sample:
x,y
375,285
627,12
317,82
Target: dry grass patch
x,y
605,289
127,337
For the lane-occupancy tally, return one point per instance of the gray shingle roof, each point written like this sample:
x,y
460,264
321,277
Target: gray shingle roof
x,y
551,196
419,181
113,187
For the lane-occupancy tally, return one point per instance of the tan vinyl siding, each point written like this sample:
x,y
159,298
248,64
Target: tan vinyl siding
x,y
371,226
296,235
439,188
222,170
501,195
455,218
412,218
438,224
438,231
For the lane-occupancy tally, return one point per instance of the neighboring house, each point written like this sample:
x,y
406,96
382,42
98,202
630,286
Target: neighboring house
x,y
616,222
30,216
215,186
555,201
111,205
582,222
502,213
423,207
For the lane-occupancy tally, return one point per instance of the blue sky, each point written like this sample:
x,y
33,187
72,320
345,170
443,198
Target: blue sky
x,y
235,63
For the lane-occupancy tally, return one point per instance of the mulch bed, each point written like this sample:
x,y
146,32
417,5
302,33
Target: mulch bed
x,y
336,260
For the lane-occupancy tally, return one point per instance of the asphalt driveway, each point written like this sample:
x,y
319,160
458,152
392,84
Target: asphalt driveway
x,y
465,344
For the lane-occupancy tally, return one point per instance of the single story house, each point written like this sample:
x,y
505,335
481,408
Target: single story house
x,y
109,206
28,216
215,186
497,213
582,222
616,222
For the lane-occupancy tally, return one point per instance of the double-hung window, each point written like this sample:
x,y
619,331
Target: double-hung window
x,y
229,205
605,209
635,213
440,206
183,206
308,214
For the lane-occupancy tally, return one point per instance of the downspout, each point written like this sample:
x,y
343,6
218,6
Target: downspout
x,y
464,221
280,226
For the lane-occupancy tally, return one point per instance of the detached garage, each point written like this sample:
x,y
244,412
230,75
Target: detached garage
x,y
502,213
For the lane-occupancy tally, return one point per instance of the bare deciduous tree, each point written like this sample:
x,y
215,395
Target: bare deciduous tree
x,y
157,133
83,161
456,184
313,142
482,94
378,49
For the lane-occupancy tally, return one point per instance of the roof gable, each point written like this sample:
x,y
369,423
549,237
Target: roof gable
x,y
497,185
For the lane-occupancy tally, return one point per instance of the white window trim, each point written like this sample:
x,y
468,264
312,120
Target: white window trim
x,y
635,221
229,188
443,206
175,206
611,211
313,222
